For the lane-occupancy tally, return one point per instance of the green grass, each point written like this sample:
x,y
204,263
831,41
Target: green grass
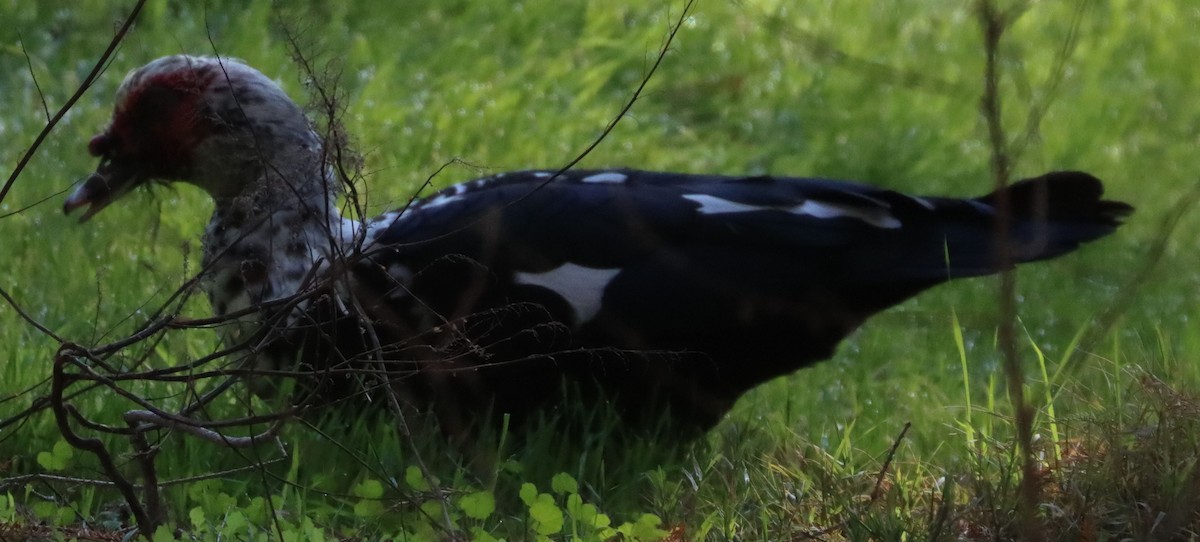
x,y
883,92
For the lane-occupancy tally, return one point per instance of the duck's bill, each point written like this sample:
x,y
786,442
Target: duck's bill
x,y
109,182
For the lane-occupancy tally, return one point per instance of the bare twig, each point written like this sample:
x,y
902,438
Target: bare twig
x,y
144,455
33,76
993,24
27,317
18,481
202,431
66,354
637,94
887,463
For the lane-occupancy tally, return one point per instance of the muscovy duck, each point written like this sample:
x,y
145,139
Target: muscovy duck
x,y
662,292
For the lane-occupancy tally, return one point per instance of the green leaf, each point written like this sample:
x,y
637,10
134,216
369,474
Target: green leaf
x,y
46,460
646,528
575,506
478,505
415,479
480,535
235,521
225,501
586,513
65,516
528,493
563,484
258,511
163,534
432,509
204,492
196,515
59,458
312,533
8,507
548,518
368,509
423,531
44,510
63,451
512,466
369,489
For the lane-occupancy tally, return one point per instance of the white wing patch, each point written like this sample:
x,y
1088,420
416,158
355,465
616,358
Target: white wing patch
x,y
878,217
712,205
606,177
922,202
441,199
582,287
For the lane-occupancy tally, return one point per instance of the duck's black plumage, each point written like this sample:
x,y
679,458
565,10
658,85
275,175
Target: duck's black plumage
x,y
681,291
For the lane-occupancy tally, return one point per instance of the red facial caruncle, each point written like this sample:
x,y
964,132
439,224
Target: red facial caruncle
x,y
158,122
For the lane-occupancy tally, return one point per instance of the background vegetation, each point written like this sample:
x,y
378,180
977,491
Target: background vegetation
x,y
885,92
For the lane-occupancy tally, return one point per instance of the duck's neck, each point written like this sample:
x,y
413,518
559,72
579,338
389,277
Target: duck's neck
x,y
262,244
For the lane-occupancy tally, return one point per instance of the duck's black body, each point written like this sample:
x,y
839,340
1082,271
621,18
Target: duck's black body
x,y
672,292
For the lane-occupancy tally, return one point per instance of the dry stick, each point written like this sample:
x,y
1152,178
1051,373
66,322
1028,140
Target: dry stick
x,y
993,24
27,317
336,151
144,455
172,418
66,353
637,94
887,463
154,325
18,481
33,76
139,417
178,297
875,493
46,198
608,129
